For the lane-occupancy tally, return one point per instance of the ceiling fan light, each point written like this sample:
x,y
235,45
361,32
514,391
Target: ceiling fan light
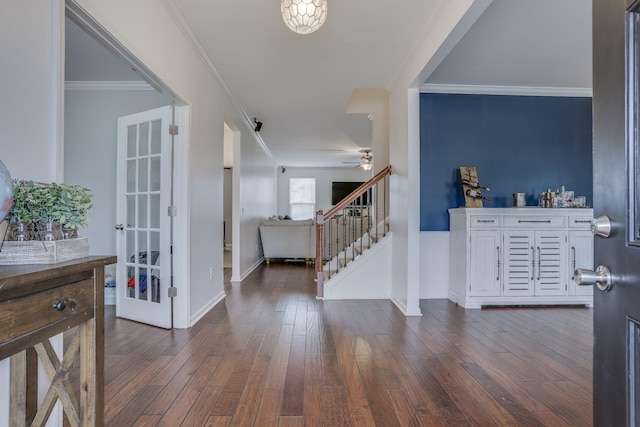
x,y
303,16
366,166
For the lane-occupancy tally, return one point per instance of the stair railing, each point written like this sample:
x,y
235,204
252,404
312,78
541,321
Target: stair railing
x,y
357,215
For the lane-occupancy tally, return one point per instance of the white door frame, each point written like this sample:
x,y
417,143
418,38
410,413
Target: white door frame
x,y
181,223
181,306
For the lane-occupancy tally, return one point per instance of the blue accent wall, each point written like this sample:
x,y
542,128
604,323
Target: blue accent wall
x,y
519,144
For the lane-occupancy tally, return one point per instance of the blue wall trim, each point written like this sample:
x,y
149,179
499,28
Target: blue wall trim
x,y
518,144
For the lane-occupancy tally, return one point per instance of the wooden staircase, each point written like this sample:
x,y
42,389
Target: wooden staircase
x,y
349,229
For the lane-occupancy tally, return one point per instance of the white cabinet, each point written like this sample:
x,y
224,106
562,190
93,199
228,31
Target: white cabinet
x,y
485,267
519,256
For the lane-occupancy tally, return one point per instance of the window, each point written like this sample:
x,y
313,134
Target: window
x,y
302,198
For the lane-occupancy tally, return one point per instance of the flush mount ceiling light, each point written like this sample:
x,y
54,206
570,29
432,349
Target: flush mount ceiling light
x,y
303,16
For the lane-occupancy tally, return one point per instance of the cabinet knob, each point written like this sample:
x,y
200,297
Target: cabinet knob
x,y
601,277
60,305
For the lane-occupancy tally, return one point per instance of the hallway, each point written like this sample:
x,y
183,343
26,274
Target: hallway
x,y
272,355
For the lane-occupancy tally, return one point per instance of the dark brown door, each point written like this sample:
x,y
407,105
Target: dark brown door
x,y
616,180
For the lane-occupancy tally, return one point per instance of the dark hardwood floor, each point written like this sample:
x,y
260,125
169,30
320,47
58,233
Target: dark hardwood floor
x,y
272,355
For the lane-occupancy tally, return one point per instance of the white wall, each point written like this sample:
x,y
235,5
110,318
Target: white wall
x,y
90,136
30,133
448,24
324,177
434,264
375,102
256,202
228,192
366,277
30,31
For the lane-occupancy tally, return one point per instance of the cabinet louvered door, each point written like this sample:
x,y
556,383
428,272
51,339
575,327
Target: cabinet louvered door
x,y
485,262
550,264
518,271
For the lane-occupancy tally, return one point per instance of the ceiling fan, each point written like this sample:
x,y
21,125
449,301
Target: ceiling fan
x,y
365,160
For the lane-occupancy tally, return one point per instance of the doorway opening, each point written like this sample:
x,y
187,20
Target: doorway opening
x,y
103,82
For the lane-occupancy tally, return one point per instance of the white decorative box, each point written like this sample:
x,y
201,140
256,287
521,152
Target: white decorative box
x,y
43,252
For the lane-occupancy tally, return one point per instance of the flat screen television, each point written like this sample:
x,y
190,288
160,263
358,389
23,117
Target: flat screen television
x,y
341,189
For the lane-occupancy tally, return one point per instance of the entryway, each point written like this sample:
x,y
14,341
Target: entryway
x,y
101,87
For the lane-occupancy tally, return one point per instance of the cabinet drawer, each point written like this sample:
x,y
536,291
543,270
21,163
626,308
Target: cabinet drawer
x,y
535,222
485,221
20,317
580,222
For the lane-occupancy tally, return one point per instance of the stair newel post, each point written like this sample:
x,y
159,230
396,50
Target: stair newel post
x,y
319,255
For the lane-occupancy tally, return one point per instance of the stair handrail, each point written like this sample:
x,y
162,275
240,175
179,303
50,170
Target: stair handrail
x,y
322,218
356,193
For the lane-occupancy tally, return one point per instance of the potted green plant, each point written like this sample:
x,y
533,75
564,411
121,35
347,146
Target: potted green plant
x,y
20,215
44,205
72,208
23,201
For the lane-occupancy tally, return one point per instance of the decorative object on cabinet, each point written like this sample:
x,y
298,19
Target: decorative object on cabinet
x,y
6,191
519,200
66,204
43,252
524,256
561,198
44,221
471,187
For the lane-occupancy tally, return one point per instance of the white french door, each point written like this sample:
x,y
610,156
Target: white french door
x,y
143,225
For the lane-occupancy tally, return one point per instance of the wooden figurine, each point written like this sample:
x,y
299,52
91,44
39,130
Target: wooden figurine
x,y
471,187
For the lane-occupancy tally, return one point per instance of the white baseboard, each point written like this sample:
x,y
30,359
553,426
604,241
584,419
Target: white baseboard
x,y
247,272
402,306
204,310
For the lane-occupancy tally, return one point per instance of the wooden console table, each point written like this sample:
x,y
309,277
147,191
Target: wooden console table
x,y
38,302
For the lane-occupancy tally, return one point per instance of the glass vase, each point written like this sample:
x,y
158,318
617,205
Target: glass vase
x,y
69,233
19,231
48,231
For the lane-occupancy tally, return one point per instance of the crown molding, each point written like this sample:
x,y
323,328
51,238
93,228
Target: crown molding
x,y
578,92
106,85
178,17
